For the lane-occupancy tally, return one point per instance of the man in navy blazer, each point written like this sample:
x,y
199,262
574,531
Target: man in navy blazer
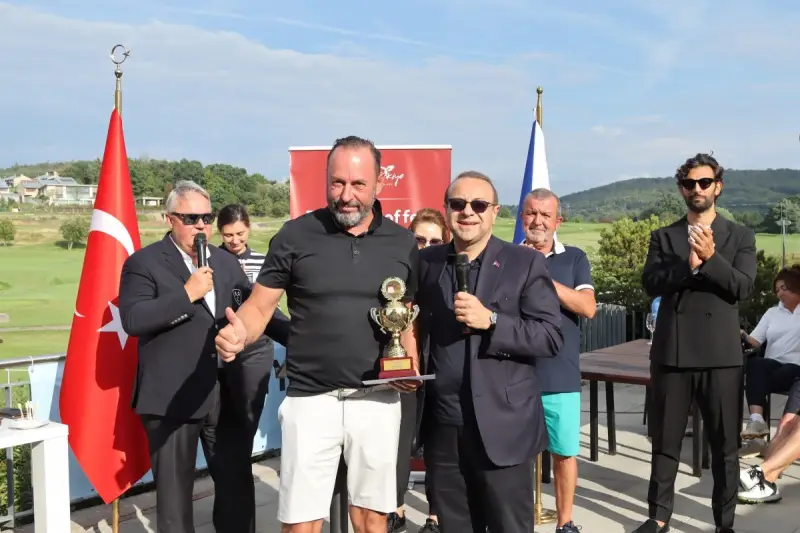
x,y
183,392
482,420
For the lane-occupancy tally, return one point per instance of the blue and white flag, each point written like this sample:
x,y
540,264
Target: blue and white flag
x,y
536,175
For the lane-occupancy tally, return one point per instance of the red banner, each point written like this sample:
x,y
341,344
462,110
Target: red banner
x,y
413,177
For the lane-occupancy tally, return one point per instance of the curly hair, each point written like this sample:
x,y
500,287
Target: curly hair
x,y
700,160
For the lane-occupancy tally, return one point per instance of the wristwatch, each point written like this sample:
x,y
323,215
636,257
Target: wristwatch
x,y
492,320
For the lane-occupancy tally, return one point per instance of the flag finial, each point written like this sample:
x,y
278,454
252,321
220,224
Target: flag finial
x,y
118,56
539,92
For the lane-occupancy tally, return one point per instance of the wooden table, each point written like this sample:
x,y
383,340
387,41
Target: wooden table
x,y
627,363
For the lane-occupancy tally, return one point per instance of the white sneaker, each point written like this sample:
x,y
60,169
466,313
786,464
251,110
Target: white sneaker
x,y
762,493
752,448
749,478
755,429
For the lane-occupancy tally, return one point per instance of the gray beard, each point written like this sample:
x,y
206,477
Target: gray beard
x,y
350,220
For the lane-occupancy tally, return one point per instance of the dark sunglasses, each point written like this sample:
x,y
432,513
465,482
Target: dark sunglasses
x,y
190,219
433,242
688,183
459,204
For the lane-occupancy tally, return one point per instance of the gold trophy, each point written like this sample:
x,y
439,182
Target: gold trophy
x,y
395,317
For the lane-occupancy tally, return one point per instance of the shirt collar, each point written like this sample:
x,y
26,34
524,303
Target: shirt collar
x,y
557,248
184,255
377,218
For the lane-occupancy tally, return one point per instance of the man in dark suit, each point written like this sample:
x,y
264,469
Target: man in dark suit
x,y
183,392
701,266
483,423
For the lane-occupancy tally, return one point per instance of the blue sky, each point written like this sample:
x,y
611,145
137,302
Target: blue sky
x,y
632,87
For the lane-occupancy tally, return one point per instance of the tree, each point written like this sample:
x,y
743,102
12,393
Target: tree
x,y
7,232
725,213
762,297
618,264
74,230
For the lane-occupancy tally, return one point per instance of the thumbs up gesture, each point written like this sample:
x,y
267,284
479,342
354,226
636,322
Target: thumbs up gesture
x,y
230,339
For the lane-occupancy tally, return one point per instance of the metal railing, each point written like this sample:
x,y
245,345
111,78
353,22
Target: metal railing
x,y
17,392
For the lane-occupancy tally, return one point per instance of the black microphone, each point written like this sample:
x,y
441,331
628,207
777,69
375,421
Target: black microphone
x,y
200,250
462,278
462,272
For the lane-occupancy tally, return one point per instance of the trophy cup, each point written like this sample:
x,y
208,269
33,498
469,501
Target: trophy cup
x,y
394,318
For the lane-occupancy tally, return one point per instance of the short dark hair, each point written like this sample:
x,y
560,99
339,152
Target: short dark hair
x,y
790,276
700,160
475,175
232,213
352,141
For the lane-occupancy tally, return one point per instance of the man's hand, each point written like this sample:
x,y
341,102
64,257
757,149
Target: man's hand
x,y
703,243
231,339
470,311
199,284
694,261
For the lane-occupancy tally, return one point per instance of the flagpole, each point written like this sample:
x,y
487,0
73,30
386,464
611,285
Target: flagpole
x,y
118,56
540,514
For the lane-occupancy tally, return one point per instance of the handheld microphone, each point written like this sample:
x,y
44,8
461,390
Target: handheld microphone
x,y
200,250
462,272
462,279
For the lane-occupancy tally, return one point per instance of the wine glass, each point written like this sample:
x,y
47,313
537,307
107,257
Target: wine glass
x,y
650,324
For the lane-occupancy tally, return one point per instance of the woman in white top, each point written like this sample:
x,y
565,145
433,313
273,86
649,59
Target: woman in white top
x,y
778,370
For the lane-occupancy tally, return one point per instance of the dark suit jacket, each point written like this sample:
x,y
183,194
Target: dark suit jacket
x,y
177,369
698,318
514,282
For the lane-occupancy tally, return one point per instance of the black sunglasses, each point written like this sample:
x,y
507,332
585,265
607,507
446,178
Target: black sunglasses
x,y
433,242
190,219
688,183
459,204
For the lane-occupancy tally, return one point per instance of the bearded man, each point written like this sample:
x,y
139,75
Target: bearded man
x,y
331,264
702,267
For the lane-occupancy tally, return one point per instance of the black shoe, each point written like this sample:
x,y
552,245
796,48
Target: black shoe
x,y
569,527
430,527
724,530
395,523
651,526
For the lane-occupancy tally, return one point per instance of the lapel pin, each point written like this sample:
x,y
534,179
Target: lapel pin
x,y
496,264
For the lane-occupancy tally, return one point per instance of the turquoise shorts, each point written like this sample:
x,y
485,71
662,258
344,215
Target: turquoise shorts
x,y
562,414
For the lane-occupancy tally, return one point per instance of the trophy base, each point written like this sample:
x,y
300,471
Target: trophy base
x,y
396,367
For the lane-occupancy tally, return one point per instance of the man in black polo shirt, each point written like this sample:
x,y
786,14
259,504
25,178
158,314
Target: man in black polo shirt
x,y
561,376
331,264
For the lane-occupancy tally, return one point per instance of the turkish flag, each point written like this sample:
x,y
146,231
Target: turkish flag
x,y
105,433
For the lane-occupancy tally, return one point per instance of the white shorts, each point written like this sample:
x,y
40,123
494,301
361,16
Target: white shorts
x,y
315,431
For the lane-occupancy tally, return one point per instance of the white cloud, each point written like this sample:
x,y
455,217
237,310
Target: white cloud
x,y
218,96
607,132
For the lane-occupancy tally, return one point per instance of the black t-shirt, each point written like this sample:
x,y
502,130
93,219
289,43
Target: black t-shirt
x,y
332,279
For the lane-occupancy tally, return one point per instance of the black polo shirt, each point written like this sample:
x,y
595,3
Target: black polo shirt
x,y
570,267
332,279
450,394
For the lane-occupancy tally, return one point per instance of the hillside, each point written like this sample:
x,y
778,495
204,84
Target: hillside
x,y
754,191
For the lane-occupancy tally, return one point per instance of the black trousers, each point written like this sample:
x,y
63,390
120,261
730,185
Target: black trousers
x,y
470,492
716,391
408,427
767,376
226,436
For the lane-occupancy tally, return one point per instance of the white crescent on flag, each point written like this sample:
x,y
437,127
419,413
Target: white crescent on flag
x,y
110,225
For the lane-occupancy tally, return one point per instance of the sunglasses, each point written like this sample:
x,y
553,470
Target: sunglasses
x,y
459,204
190,219
422,241
688,183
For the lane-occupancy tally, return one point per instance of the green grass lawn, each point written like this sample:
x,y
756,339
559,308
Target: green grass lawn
x,y
39,278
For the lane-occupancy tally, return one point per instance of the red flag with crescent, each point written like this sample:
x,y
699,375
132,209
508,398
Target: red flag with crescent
x,y
105,434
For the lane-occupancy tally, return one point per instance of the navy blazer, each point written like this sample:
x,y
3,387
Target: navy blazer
x,y
515,283
177,367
